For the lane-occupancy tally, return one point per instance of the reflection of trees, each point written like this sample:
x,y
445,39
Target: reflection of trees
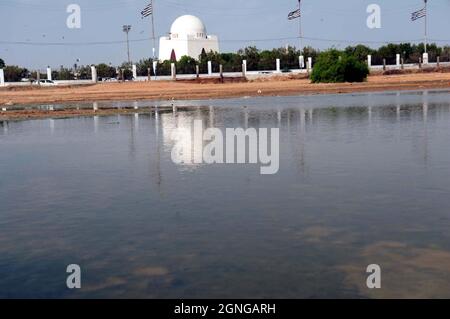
x,y
4,125
338,122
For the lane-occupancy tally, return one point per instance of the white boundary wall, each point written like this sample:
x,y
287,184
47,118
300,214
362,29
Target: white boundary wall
x,y
249,74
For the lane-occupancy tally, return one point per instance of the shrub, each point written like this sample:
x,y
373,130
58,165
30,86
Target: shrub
x,y
333,66
14,73
186,65
106,71
142,67
63,74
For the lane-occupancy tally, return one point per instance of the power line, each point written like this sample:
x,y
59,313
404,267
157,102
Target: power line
x,y
119,4
70,43
228,11
222,41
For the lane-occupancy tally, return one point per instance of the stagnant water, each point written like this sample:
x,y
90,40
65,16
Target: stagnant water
x,y
363,179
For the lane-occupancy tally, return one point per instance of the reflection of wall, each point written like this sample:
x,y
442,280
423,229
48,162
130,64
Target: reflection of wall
x,y
182,121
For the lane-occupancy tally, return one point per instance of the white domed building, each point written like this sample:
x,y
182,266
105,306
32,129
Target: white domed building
x,y
187,36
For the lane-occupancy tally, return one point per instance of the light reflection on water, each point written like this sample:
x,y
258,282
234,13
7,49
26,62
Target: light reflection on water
x,y
363,179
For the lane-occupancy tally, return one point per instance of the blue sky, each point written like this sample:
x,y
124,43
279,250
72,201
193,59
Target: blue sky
x,y
237,23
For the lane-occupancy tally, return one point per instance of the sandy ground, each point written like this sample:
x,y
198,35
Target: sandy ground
x,y
190,90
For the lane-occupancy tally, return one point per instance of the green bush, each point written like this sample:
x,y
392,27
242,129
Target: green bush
x,y
143,65
333,66
106,71
63,74
14,73
186,65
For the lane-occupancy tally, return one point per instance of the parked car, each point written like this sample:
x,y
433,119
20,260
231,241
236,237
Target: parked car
x,y
47,83
107,80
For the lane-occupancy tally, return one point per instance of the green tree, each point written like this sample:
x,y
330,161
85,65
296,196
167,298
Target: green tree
x,y
84,72
127,71
13,73
202,56
34,75
289,57
335,66
63,74
106,71
2,64
164,68
251,54
360,52
310,52
214,57
445,54
267,60
406,50
127,74
143,65
232,62
186,65
433,52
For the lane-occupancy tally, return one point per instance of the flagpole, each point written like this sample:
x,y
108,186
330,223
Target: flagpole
x,y
300,25
426,27
153,30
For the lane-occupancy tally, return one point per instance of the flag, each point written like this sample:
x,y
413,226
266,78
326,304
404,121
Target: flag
x,y
148,10
419,14
295,14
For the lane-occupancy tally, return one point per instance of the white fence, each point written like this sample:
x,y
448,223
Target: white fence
x,y
248,74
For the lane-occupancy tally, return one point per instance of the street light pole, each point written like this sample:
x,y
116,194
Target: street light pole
x,y
127,29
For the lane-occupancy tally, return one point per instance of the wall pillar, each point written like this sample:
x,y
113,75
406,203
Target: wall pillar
x,y
369,60
210,68
49,73
134,68
278,66
2,77
425,58
155,66
94,74
173,71
397,59
301,62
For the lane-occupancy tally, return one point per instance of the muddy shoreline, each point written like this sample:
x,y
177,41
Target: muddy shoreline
x,y
185,90
29,114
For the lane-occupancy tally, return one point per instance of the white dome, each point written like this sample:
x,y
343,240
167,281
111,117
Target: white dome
x,y
188,25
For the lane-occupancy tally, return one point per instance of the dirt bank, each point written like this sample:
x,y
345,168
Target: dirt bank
x,y
185,90
28,114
